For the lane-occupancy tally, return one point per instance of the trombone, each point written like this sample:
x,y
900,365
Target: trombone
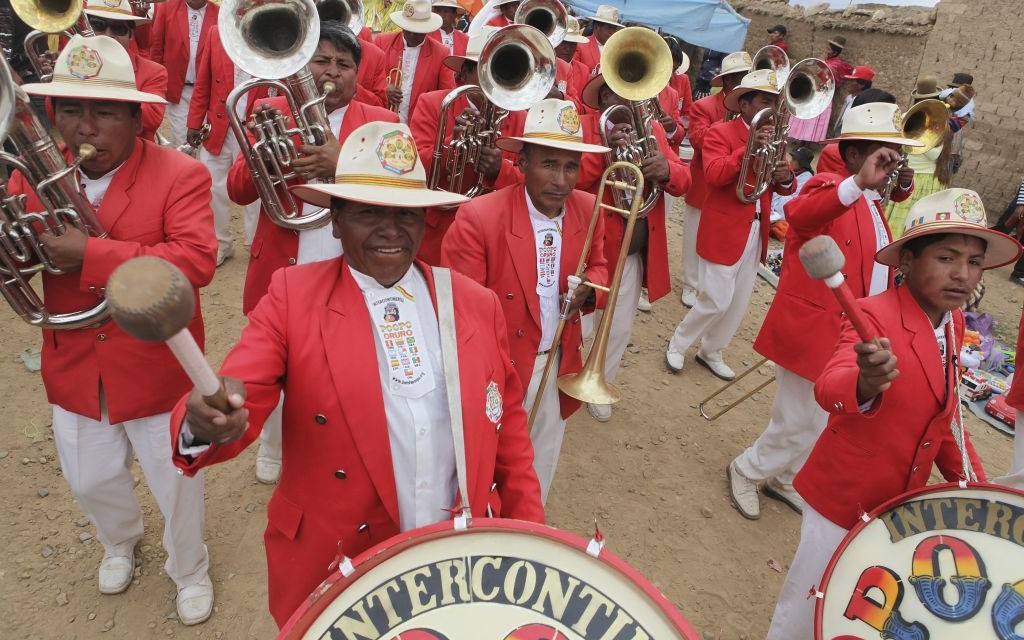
x,y
394,79
65,17
925,122
590,385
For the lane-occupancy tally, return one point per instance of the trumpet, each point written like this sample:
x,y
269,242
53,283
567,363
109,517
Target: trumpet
x,y
22,254
394,79
275,39
925,122
515,71
547,16
806,90
66,17
193,150
590,384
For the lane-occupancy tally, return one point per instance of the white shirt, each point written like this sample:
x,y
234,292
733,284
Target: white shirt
x,y
410,58
243,101
448,39
96,189
779,201
320,244
195,23
419,429
550,309
848,193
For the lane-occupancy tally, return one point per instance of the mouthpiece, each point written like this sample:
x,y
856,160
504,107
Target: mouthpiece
x,y
150,298
822,257
86,151
329,87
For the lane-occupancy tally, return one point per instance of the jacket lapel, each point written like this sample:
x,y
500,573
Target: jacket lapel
x,y
924,345
116,200
522,249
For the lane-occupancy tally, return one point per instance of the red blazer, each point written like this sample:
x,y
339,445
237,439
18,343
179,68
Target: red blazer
x,y
829,161
1015,398
311,337
492,242
656,273
581,75
704,113
565,81
158,204
215,79
802,325
273,246
365,34
170,46
498,21
431,74
669,101
425,128
461,41
589,54
861,461
371,77
143,36
681,83
724,220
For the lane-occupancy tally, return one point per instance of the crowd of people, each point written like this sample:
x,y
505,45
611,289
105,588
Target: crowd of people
x,y
404,309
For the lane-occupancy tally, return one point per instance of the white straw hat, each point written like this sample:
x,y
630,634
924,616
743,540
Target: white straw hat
x,y
764,80
473,48
451,4
573,32
739,62
114,10
96,68
551,123
608,15
878,121
953,211
417,17
379,164
684,66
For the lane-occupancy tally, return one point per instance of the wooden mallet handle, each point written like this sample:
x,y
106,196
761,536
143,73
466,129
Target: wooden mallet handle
x,y
153,301
824,260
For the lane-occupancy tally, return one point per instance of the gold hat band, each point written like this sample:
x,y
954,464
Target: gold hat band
x,y
380,181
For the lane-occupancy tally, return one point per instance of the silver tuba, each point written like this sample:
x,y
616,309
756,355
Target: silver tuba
x,y
53,180
46,17
547,16
273,40
806,91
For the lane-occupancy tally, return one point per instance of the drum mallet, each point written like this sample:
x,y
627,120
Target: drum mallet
x,y
824,260
153,301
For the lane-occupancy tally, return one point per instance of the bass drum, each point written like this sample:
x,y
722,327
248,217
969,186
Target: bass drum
x,y
495,580
941,563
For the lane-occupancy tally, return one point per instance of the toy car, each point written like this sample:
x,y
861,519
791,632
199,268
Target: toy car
x,y
974,387
998,409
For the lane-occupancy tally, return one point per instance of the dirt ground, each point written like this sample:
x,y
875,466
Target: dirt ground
x,y
653,477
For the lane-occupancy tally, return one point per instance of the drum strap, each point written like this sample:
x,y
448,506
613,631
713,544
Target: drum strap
x,y
450,358
957,424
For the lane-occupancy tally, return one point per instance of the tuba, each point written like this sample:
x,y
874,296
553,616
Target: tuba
x,y
807,90
53,180
273,40
637,65
925,122
66,17
547,16
515,71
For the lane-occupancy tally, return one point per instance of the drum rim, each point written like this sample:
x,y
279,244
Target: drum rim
x,y
885,506
308,612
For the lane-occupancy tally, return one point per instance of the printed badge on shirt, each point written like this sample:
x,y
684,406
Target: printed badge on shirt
x,y
400,330
549,249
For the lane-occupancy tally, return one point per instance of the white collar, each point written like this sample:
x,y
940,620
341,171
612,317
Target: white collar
x,y
367,283
106,176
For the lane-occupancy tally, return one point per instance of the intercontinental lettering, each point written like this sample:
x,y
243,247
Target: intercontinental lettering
x,y
500,580
997,519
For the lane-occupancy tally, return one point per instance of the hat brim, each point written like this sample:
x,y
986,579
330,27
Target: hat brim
x,y
614,24
837,45
515,145
85,91
320,195
445,5
924,96
732,100
906,142
120,17
416,26
684,66
1001,249
577,39
717,80
455,62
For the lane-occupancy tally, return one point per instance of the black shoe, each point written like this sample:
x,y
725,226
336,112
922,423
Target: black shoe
x,y
1017,278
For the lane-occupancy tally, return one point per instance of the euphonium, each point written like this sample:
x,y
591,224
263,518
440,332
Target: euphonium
x,y
273,40
637,65
547,16
515,71
52,16
806,91
925,122
41,163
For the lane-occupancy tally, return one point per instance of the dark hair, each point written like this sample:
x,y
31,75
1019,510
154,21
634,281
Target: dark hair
x,y
677,51
845,146
864,84
916,246
836,50
341,37
134,108
873,95
748,96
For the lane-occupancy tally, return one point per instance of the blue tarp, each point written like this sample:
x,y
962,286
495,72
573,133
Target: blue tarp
x,y
712,24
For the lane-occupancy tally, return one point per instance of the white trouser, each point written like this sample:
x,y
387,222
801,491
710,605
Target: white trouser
x,y
724,292
691,219
177,116
219,201
1015,478
795,424
548,428
96,459
625,315
270,437
794,612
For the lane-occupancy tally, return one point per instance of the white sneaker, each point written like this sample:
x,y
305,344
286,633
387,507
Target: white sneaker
x,y
116,573
785,494
268,470
600,412
689,297
673,359
743,492
644,303
195,603
717,367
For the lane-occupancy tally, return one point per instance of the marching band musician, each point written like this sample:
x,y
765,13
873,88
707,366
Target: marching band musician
x,y
647,263
498,171
372,85
704,113
893,407
802,324
680,81
335,60
179,28
566,51
606,22
111,393
506,13
419,59
732,238
448,35
829,160
356,345
523,242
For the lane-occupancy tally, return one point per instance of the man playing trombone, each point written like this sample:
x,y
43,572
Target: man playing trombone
x,y
523,242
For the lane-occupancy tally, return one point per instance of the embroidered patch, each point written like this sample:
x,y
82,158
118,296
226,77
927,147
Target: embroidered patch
x,y
397,152
494,408
897,120
746,58
409,10
773,79
113,4
84,63
969,208
569,120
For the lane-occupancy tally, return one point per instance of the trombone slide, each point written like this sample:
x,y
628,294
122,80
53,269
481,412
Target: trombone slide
x,y
732,405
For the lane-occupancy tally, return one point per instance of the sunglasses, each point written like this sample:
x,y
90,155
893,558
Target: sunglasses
x,y
113,27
